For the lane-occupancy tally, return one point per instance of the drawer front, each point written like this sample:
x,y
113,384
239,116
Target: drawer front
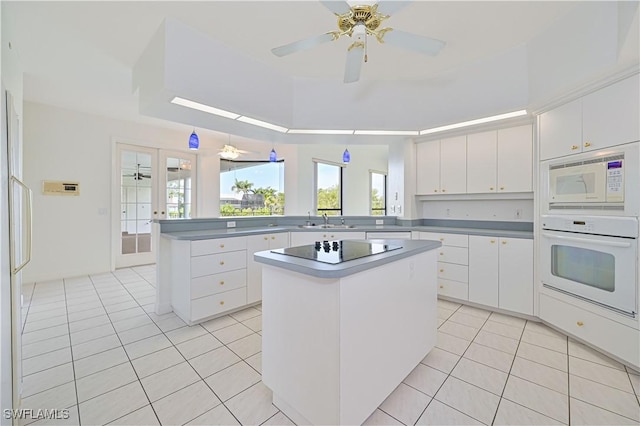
x,y
451,271
456,240
217,263
217,245
453,289
212,284
459,255
217,303
610,336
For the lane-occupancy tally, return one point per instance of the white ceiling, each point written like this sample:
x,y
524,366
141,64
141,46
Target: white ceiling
x,y
80,55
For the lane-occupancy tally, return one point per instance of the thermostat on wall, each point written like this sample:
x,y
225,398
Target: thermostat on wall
x,y
60,188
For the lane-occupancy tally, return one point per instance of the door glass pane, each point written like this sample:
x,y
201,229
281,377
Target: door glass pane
x,y
589,267
136,205
178,188
328,182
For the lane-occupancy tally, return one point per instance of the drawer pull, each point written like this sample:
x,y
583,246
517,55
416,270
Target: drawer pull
x,y
441,254
273,238
443,190
441,239
502,188
493,241
587,144
435,190
579,323
266,238
222,262
222,302
221,245
221,282
574,147
441,286
504,242
491,188
441,270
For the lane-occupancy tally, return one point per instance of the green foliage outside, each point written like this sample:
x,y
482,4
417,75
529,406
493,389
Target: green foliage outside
x,y
273,201
329,198
377,203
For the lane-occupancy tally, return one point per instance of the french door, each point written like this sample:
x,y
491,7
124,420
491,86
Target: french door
x,y
153,184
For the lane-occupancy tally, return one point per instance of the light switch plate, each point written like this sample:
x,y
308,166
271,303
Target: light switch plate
x,y
379,222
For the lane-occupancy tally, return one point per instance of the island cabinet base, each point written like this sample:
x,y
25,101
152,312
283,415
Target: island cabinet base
x,y
335,348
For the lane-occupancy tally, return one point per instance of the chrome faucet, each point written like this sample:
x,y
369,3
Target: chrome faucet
x,y
326,218
342,220
308,218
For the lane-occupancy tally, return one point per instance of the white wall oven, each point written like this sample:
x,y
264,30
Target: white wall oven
x,y
605,182
594,258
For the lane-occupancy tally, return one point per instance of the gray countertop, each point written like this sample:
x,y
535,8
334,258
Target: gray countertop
x,y
246,231
326,270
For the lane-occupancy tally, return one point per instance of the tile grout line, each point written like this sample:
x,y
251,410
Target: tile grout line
x,y
73,367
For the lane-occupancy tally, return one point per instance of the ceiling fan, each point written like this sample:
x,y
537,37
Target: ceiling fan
x,y
358,22
230,152
138,175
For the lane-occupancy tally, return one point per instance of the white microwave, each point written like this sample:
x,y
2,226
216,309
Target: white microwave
x,y
603,180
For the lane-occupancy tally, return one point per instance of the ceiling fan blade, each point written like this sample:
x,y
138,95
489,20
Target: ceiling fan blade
x,y
355,57
390,7
427,45
337,7
307,43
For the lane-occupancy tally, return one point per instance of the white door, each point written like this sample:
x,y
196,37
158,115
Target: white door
x,y
481,162
515,159
138,205
428,168
177,185
453,165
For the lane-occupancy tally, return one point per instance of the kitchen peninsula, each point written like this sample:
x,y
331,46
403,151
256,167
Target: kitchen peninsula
x,y
340,335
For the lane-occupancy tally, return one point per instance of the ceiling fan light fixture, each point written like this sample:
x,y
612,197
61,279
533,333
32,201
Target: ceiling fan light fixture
x,y
346,156
194,141
229,152
273,157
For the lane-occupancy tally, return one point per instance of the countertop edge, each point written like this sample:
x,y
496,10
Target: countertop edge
x,y
326,270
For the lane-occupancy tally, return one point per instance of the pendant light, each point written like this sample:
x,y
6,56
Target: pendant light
x,y
194,141
273,157
346,157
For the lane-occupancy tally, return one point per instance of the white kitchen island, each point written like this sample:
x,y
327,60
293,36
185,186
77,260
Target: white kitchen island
x,y
338,339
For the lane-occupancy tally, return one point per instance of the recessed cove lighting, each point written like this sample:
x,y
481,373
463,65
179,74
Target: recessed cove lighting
x,y
320,132
387,132
473,122
205,108
264,124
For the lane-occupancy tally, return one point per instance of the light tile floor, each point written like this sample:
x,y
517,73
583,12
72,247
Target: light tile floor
x,y
94,345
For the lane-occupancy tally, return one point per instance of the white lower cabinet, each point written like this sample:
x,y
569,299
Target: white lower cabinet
x,y
389,235
610,336
256,243
304,238
501,273
453,261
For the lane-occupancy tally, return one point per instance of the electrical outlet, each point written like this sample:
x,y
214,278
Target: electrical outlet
x,y
231,224
393,208
379,221
518,213
448,212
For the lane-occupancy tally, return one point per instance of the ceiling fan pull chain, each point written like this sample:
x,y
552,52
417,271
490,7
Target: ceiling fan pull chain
x,y
366,57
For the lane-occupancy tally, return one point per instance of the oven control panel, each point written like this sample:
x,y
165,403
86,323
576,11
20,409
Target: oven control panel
x,y
599,225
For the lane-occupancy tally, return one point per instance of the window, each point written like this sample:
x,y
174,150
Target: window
x,y
328,178
178,188
378,193
251,188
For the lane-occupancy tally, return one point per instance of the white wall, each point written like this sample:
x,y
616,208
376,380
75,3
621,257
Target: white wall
x,y
498,210
70,236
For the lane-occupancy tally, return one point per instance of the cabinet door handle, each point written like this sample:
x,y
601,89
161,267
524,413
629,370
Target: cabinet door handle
x,y
273,238
222,262
443,190
491,188
502,188
574,147
441,270
587,144
222,282
441,286
441,239
579,323
441,254
493,241
154,212
504,242
435,190
221,245
266,238
333,236
222,302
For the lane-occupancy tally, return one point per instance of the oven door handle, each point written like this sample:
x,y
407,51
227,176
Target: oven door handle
x,y
584,240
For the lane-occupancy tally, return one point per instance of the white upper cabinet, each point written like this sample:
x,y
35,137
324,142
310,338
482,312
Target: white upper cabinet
x,y
453,165
428,167
607,117
515,159
482,167
611,116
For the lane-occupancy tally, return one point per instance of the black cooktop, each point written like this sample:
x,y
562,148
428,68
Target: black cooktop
x,y
335,252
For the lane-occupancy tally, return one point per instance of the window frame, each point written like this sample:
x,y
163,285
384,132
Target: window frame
x,y
319,211
384,208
